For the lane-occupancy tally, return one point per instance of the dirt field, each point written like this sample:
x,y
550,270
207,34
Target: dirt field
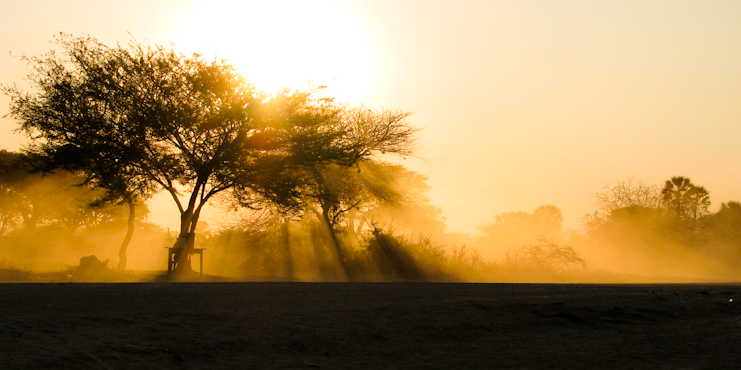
x,y
368,326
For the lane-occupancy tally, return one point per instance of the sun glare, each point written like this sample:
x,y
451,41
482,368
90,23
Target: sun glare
x,y
287,43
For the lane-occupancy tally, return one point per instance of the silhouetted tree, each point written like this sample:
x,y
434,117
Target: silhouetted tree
x,y
142,118
517,229
363,197
672,235
699,201
82,114
332,148
544,256
725,225
684,199
146,118
626,194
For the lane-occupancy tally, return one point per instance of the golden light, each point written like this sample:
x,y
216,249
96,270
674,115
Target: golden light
x,y
285,43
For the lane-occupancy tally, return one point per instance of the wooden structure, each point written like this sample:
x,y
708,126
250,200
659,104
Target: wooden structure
x,y
184,245
172,251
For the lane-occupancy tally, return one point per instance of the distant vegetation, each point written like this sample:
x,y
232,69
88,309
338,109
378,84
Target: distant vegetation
x,y
50,221
307,181
668,232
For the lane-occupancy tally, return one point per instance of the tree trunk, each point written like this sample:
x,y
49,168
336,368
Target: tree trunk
x,y
30,220
122,259
185,242
324,218
285,229
336,244
187,238
353,229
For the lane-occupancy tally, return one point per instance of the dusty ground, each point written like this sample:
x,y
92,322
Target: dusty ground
x,y
368,326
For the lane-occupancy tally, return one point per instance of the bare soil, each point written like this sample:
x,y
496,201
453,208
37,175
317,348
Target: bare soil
x,y
368,326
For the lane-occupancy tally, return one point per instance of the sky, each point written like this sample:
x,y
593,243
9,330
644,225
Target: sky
x,y
520,103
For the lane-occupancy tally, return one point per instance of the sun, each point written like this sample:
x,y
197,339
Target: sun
x,y
285,43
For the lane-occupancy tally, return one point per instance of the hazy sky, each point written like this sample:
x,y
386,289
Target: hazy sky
x,y
523,103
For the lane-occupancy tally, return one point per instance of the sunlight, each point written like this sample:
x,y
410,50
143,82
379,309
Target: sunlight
x,y
285,43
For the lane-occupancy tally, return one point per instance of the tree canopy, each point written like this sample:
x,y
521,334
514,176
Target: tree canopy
x,y
137,119
685,199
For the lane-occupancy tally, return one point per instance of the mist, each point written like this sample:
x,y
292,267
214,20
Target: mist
x,y
49,221
313,189
388,231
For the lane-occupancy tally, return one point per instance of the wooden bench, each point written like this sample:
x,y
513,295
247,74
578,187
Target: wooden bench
x,y
191,251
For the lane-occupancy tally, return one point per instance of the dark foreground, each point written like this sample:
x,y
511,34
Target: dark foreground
x,y
368,326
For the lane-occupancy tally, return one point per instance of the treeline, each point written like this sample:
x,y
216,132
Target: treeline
x,y
383,228
667,230
638,233
311,178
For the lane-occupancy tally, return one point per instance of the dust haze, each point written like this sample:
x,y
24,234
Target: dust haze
x,y
49,221
311,189
636,234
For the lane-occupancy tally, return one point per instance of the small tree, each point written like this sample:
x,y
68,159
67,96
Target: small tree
x,y
361,134
517,229
544,256
626,194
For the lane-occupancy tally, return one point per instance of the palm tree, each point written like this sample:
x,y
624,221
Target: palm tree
x,y
699,201
674,194
685,199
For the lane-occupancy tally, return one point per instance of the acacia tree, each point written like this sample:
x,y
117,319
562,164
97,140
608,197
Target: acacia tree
x,y
358,136
80,119
138,119
321,142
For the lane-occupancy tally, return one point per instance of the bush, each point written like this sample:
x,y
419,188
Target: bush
x,y
543,261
